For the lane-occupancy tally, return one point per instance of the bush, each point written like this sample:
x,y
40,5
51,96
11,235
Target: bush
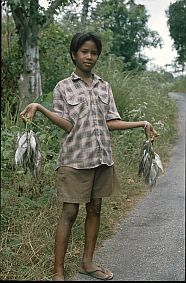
x,y
30,207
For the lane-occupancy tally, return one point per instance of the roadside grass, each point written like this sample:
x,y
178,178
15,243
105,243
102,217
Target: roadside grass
x,y
180,84
30,208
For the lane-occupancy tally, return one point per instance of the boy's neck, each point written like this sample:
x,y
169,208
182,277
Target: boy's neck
x,y
83,75
86,77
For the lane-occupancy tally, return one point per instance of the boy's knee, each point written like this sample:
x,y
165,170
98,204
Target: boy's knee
x,y
70,213
94,207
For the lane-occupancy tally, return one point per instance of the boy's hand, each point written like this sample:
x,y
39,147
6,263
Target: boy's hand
x,y
150,132
29,112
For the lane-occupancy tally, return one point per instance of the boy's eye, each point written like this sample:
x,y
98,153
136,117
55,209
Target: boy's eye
x,y
87,51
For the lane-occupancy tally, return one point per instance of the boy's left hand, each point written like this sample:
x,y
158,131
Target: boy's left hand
x,y
150,132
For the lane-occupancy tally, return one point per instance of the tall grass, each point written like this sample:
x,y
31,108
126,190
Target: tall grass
x,y
30,207
179,84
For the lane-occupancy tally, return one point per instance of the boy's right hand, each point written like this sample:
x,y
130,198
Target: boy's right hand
x,y
29,112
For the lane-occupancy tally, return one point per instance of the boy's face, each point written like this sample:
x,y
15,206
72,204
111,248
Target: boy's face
x,y
86,56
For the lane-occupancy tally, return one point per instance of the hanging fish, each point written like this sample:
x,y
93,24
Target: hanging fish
x,y
146,157
153,173
158,162
27,154
150,164
22,144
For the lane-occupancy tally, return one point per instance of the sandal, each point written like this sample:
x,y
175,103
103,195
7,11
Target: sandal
x,y
98,273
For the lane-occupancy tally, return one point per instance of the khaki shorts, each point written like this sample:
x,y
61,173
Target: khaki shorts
x,y
81,185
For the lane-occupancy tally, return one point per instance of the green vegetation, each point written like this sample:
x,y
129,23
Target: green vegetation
x,y
30,207
176,14
125,21
179,84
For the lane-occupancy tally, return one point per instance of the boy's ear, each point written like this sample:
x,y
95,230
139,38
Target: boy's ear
x,y
73,56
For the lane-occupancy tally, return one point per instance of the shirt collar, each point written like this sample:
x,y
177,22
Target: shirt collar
x,y
76,77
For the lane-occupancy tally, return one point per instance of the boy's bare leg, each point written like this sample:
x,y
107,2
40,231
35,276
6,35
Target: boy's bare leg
x,y
63,231
92,224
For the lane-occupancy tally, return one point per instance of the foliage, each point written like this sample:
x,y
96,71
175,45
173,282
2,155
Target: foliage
x,y
30,19
30,208
55,61
130,31
176,14
10,64
127,27
179,84
34,26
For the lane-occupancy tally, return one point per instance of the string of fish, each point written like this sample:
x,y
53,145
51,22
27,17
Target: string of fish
x,y
27,153
150,164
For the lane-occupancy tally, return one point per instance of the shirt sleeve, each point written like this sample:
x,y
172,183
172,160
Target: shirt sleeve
x,y
59,103
112,109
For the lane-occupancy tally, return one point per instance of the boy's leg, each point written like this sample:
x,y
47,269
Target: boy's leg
x,y
64,226
92,224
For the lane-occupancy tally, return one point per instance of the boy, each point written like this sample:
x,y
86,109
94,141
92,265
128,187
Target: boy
x,y
84,107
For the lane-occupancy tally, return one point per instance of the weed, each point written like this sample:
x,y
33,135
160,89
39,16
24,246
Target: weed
x,y
30,208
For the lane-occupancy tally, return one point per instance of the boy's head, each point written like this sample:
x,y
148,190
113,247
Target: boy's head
x,y
80,38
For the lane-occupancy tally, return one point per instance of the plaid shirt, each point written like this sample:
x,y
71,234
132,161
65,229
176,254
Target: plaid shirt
x,y
87,108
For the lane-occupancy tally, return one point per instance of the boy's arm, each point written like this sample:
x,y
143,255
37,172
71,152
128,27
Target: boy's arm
x,y
114,121
123,125
29,112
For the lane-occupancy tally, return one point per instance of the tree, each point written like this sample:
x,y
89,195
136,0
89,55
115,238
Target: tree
x,y
176,14
30,19
55,61
128,22
85,10
10,63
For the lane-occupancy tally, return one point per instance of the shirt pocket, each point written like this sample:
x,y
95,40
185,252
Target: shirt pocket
x,y
77,107
103,101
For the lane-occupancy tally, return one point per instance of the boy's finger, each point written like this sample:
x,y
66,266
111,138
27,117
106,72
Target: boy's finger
x,y
22,113
156,135
23,118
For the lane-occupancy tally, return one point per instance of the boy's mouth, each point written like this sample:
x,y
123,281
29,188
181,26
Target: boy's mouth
x,y
88,64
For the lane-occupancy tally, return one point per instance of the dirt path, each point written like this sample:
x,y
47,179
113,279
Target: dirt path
x,y
149,244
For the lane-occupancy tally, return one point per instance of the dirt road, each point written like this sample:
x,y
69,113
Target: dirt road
x,y
150,243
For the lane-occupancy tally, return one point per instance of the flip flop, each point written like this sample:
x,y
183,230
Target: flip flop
x,y
58,278
98,273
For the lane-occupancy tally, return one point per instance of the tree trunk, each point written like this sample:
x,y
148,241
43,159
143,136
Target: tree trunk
x,y
30,79
27,20
84,15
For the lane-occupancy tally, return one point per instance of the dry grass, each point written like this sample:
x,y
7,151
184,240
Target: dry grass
x,y
30,209
28,224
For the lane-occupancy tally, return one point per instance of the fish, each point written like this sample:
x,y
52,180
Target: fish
x,y
153,174
27,153
150,164
159,162
146,156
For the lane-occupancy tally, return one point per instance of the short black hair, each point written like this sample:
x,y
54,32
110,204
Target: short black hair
x,y
80,38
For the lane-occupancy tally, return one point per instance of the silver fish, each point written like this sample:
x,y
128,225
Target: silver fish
x,y
150,165
153,174
27,154
158,162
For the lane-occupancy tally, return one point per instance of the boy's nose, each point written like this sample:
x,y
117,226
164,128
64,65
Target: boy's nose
x,y
89,55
